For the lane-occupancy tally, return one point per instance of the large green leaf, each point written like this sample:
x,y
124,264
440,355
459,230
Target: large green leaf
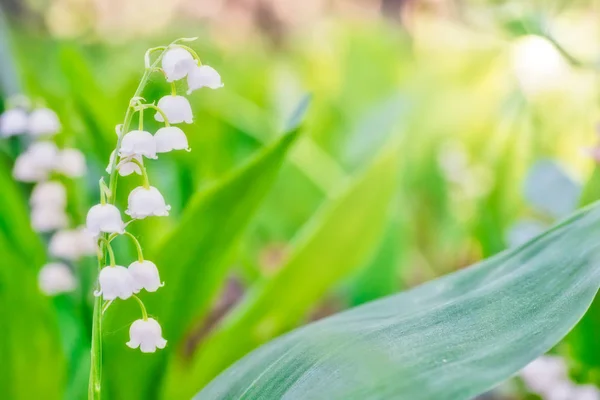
x,y
337,240
210,228
452,338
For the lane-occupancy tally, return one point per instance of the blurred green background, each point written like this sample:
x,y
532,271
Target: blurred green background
x,y
438,133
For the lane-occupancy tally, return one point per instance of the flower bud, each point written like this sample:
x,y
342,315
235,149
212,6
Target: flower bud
x,y
203,76
125,166
176,108
71,163
170,138
52,194
55,278
144,203
13,122
145,275
48,218
104,218
43,121
176,63
115,282
138,143
147,335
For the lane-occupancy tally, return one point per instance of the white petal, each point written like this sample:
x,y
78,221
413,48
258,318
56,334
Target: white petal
x,y
48,218
125,166
144,203
55,278
13,122
51,194
71,163
64,244
176,108
43,121
44,154
27,170
176,63
203,76
170,138
146,276
138,143
104,218
115,282
147,334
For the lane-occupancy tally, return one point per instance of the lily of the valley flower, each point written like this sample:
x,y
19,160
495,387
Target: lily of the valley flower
x,y
176,63
26,169
48,218
125,166
104,218
55,278
145,202
176,108
145,275
71,163
13,122
50,194
72,244
115,281
43,121
43,154
138,143
147,335
203,76
170,138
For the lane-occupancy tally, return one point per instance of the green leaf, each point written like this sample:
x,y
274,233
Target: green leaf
x,y
452,338
337,240
210,227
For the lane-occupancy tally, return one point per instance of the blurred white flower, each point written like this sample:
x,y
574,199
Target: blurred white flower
x,y
13,122
55,278
43,121
125,166
145,274
104,218
203,76
27,170
51,194
138,143
44,155
72,244
71,163
177,62
144,203
48,218
147,335
115,282
170,138
176,108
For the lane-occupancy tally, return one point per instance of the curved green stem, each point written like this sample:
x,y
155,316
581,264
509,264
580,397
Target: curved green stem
x,y
144,172
142,307
137,246
158,110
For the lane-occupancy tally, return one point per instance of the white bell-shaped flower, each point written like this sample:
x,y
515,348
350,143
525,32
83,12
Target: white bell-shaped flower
x,y
138,143
115,282
145,274
148,202
87,242
177,62
147,335
125,166
176,108
51,194
71,163
48,218
26,169
72,244
104,218
170,138
43,121
44,154
203,76
55,278
13,122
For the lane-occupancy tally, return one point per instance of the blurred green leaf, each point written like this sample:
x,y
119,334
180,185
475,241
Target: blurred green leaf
x,y
337,240
452,338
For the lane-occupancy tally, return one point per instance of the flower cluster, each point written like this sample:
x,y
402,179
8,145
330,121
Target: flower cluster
x,y
44,164
105,220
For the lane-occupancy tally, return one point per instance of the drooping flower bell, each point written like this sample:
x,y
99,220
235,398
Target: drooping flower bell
x,y
138,143
145,275
203,76
176,63
26,169
176,108
145,202
71,163
43,121
48,218
170,138
115,282
104,218
147,335
125,166
50,194
44,155
55,278
13,122
72,244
